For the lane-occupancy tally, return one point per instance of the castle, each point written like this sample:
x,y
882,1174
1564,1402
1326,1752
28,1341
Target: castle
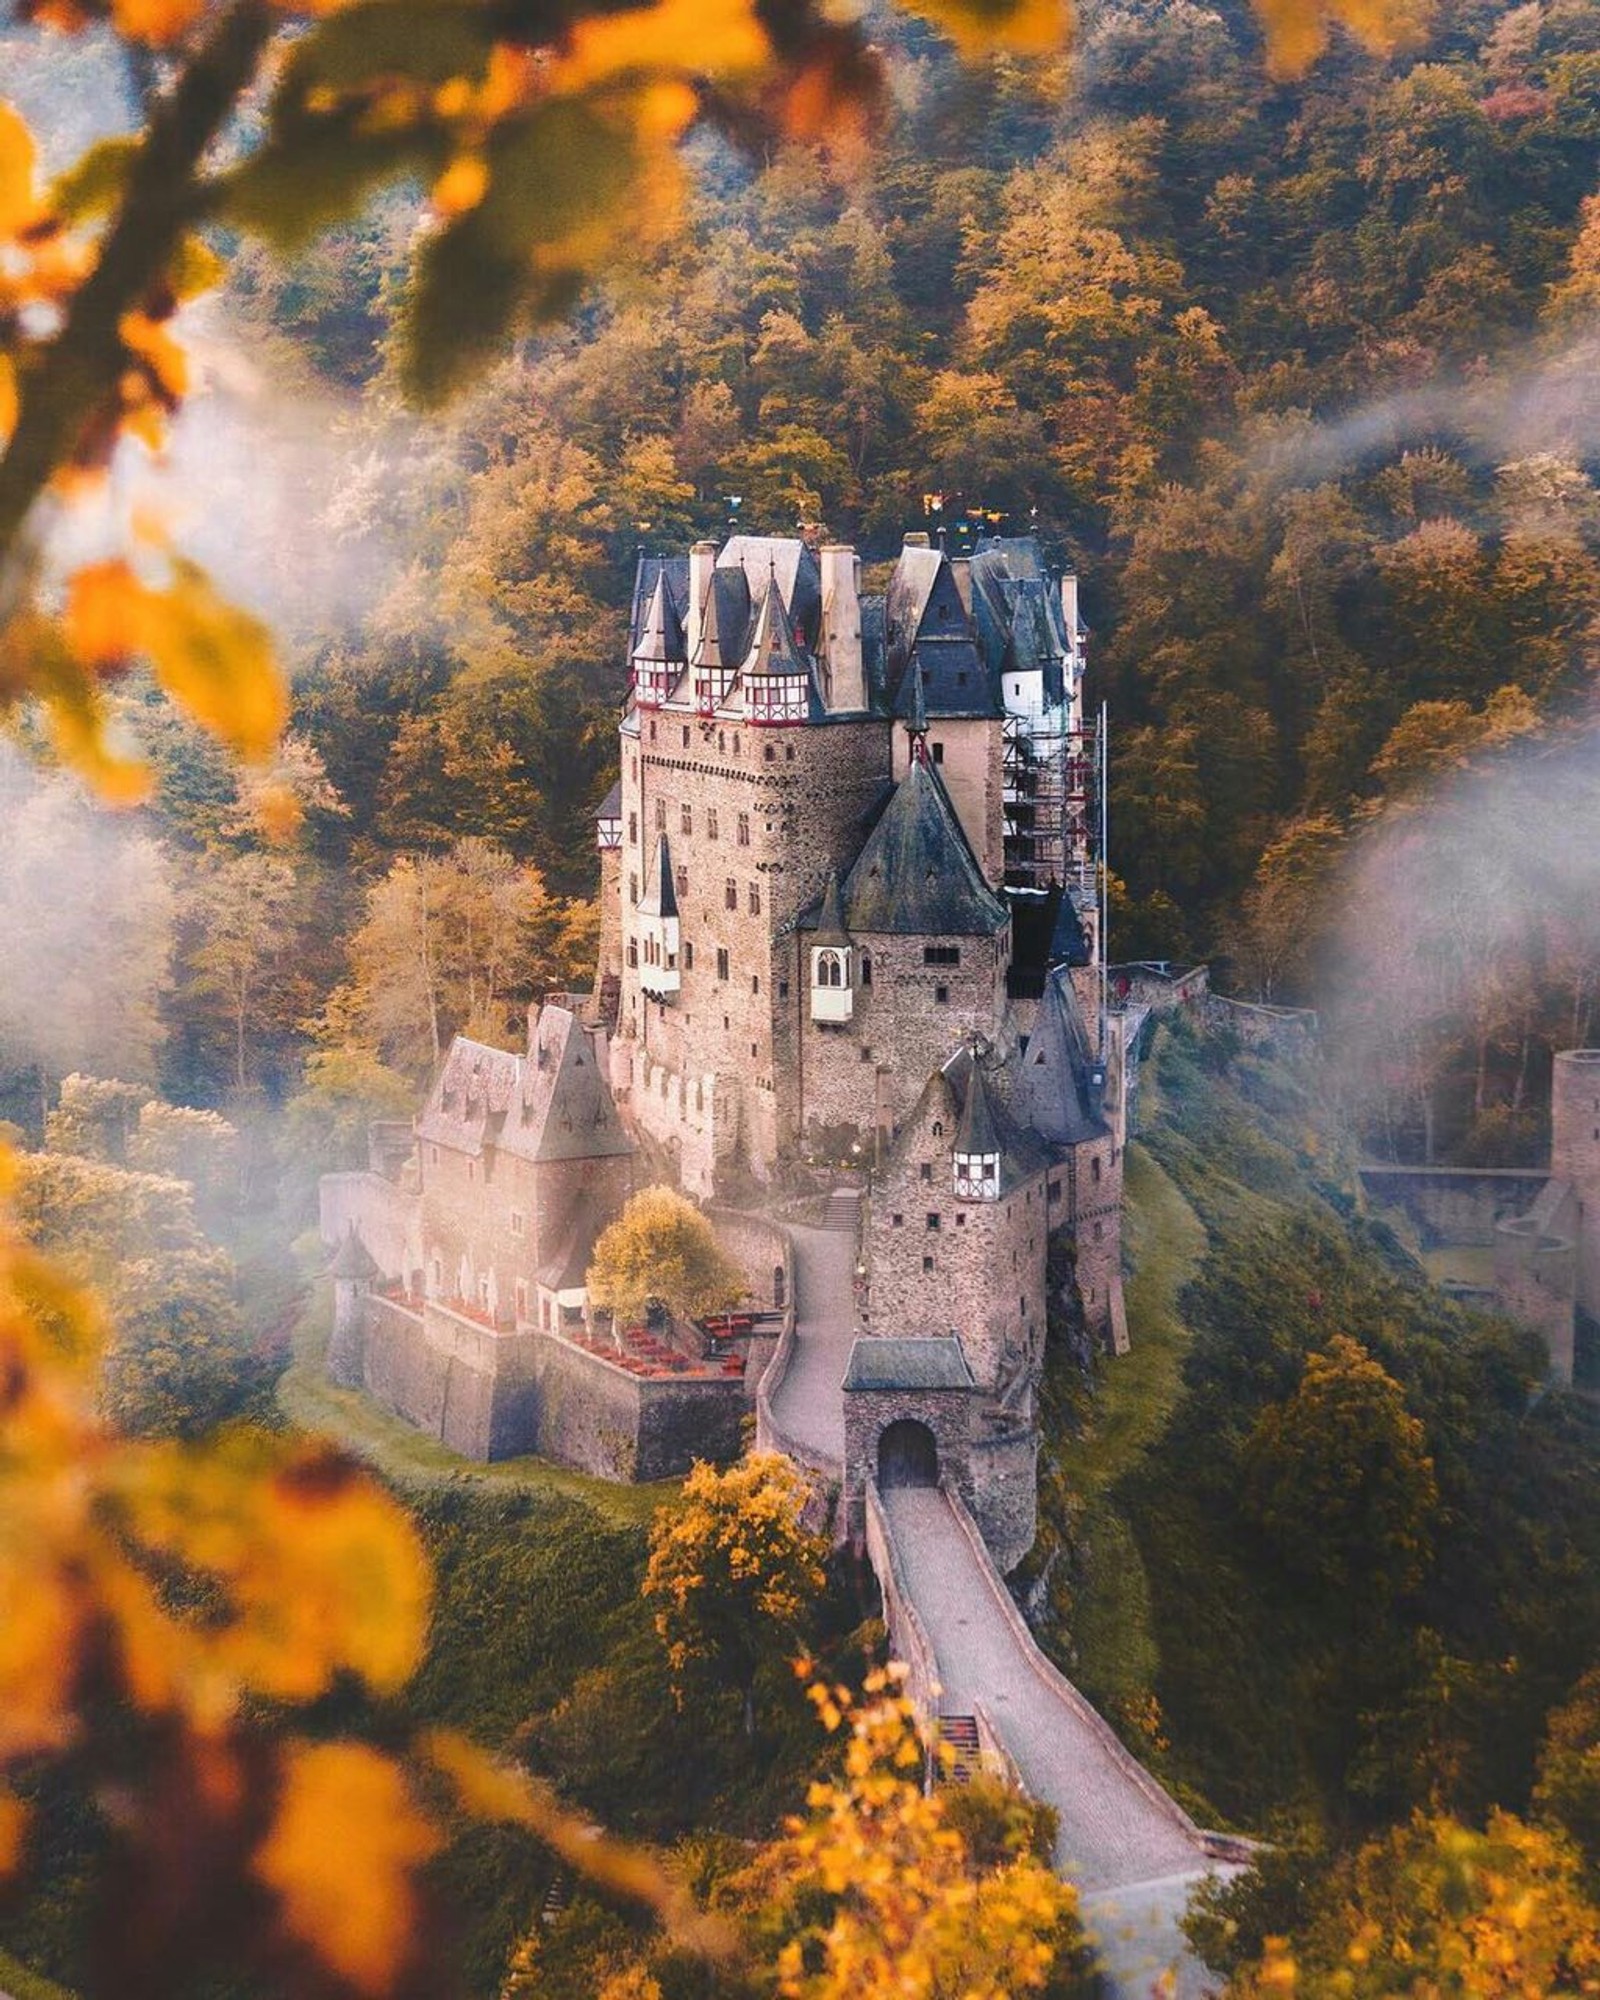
x,y
849,925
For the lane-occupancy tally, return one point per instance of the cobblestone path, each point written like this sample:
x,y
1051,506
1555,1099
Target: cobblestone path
x,y
809,1407
1135,1862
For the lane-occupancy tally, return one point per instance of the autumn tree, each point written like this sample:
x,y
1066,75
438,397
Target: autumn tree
x,y
1436,1907
876,1890
456,943
1339,1476
662,1251
735,1575
1567,1794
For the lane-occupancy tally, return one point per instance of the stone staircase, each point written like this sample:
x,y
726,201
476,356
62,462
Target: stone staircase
x,y
960,1758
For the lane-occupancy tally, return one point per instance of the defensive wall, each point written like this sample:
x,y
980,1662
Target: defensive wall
x,y
491,1393
1453,1205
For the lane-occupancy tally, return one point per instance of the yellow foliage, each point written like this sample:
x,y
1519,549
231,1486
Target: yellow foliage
x,y
662,1248
1031,27
18,201
910,1914
341,1855
156,23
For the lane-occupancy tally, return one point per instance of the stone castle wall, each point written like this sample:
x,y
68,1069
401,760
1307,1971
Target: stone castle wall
x,y
386,1217
969,754
872,1069
492,1394
735,815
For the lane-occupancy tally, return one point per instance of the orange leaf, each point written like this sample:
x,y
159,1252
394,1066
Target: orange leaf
x,y
156,22
8,399
18,204
710,37
1031,27
107,613
216,661
341,1854
13,1831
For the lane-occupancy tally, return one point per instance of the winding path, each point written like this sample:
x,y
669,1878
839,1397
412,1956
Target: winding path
x,y
809,1403
1133,1853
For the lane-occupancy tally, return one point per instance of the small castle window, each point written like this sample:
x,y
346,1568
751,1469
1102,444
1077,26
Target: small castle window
x,y
433,1156
711,822
927,1265
1099,1231
941,954
730,894
755,899
1094,1166
633,829
942,995
744,829
633,952
661,815
652,729
830,968
722,963
1055,1190
772,753
938,1128
519,1222
783,989
755,982
1022,1308
722,742
688,955
683,884
897,1220
686,818
961,1218
866,968
788,753
633,888
686,736
925,1172
938,753
933,1220
866,1055
522,1298
736,743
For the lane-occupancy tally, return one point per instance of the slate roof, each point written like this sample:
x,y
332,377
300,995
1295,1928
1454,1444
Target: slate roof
x,y
773,649
795,567
353,1260
725,627
916,875
567,1268
1060,1087
554,1103
610,807
651,570
660,898
830,918
1023,1153
979,1131
659,634
897,1361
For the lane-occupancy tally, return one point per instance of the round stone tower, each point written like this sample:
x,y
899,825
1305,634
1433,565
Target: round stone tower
x,y
1575,1117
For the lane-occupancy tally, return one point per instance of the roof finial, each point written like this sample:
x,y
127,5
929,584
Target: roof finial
x,y
917,718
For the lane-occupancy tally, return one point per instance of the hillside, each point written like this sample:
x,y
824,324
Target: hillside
x,y
1220,1632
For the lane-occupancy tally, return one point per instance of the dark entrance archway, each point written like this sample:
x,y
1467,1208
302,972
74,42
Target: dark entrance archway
x,y
907,1455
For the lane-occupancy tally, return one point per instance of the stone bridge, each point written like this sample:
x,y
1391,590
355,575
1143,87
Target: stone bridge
x,y
1135,1855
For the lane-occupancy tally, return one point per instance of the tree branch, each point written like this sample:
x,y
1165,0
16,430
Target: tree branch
x,y
80,366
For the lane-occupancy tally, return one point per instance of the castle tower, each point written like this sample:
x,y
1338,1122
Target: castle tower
x,y
352,1272
608,840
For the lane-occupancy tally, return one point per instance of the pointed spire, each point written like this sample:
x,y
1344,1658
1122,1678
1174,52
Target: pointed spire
x,y
978,1134
917,718
830,918
773,646
660,898
352,1261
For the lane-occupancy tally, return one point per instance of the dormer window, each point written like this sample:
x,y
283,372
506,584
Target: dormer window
x,y
832,994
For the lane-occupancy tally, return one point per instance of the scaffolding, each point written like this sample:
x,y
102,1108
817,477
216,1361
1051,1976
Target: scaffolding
x,y
1049,804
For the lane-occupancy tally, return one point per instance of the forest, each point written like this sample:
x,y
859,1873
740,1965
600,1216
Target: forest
x,y
1297,373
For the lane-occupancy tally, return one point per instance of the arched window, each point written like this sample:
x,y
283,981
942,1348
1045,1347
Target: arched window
x,y
866,968
830,968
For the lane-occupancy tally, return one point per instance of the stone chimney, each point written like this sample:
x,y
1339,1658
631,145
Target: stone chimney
x,y
1069,607
841,627
702,561
915,540
961,570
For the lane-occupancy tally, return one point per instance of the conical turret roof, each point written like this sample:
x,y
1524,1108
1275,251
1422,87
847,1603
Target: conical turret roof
x,y
352,1260
830,928
660,637
916,875
773,646
978,1132
660,898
